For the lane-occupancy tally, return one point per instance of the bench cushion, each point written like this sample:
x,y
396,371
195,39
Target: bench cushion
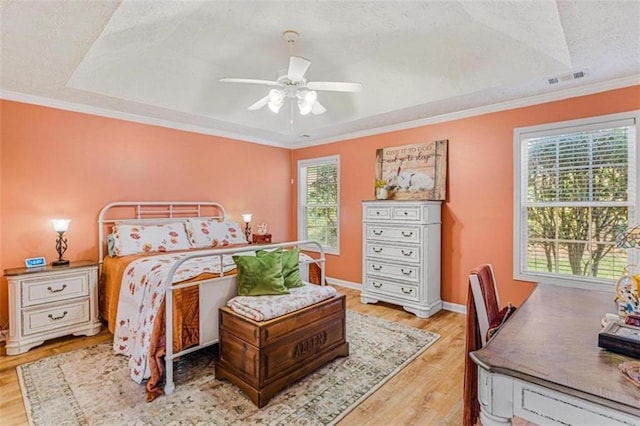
x,y
262,308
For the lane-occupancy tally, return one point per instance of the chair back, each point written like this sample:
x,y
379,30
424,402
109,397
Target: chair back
x,y
485,296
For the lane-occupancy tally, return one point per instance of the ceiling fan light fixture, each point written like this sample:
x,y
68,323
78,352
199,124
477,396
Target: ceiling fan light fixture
x,y
276,99
306,99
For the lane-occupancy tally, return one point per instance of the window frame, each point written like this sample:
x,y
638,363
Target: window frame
x,y
520,231
302,196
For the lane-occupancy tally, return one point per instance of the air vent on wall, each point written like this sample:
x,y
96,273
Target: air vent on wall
x,y
567,77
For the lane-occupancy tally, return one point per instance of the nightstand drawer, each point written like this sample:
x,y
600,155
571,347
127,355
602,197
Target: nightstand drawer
x,y
41,320
65,286
406,291
403,253
390,270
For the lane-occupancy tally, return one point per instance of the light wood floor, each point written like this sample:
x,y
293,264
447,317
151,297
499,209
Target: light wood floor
x,y
427,392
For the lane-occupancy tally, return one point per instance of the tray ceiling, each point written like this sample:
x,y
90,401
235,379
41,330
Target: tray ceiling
x,y
159,62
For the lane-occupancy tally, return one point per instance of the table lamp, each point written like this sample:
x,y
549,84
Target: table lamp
x,y
246,217
60,226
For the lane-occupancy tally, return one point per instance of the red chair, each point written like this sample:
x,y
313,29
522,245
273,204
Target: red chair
x,y
483,311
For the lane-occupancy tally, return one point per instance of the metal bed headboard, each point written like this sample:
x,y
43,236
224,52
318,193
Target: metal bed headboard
x,y
153,212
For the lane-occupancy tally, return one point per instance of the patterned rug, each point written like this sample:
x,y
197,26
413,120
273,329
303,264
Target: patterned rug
x,y
91,387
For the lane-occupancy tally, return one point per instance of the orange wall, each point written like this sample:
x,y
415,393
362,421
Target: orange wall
x,y
57,163
477,224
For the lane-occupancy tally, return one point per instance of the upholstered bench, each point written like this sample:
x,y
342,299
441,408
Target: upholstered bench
x,y
263,357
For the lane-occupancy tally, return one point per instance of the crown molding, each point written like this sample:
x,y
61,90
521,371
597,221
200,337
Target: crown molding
x,y
502,106
109,113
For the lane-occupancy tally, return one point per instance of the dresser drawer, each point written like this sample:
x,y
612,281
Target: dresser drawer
x,y
41,320
377,212
406,291
391,270
411,213
406,234
404,253
63,287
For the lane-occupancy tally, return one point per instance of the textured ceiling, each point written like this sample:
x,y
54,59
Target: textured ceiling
x,y
160,61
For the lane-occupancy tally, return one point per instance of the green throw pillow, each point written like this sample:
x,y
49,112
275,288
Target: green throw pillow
x,y
258,276
290,267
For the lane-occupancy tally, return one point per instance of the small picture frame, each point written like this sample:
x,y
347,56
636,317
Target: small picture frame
x,y
35,262
620,338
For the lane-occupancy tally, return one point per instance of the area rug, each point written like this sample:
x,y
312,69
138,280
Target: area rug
x,y
91,386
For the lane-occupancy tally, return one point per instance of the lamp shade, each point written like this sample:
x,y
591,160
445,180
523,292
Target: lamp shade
x,y
246,217
60,225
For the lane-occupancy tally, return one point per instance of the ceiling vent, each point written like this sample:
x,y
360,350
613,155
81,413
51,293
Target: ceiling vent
x,y
567,77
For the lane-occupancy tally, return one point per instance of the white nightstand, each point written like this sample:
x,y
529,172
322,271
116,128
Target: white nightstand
x,y
51,302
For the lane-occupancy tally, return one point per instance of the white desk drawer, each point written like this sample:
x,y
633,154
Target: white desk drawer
x,y
405,253
406,291
412,213
390,270
41,320
407,234
63,287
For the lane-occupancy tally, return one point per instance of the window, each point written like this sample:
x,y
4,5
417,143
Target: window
x,y
575,190
318,206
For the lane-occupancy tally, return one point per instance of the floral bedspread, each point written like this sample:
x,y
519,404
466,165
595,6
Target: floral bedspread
x,y
141,295
262,308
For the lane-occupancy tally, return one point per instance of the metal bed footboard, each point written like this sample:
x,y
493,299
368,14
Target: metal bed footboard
x,y
169,386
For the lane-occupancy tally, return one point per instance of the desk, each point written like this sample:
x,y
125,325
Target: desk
x,y
545,366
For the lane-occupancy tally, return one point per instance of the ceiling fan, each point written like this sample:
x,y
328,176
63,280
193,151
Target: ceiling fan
x,y
291,84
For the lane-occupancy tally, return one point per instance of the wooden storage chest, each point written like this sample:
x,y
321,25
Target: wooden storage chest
x,y
262,358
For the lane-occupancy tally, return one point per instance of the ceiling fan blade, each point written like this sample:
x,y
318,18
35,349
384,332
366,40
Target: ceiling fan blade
x,y
336,86
259,104
297,68
250,81
317,108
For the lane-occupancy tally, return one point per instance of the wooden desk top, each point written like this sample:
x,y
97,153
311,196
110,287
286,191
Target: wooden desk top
x,y
552,340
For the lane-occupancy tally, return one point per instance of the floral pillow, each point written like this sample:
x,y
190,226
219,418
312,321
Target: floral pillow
x,y
134,239
209,232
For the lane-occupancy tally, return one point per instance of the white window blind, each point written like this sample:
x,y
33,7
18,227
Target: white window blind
x,y
318,195
575,191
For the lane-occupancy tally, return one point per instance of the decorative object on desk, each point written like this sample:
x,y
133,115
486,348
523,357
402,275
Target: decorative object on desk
x,y
262,229
246,218
60,226
35,262
627,294
414,172
633,320
261,238
620,338
631,371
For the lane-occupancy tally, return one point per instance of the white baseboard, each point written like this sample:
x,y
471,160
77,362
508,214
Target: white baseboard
x,y
453,307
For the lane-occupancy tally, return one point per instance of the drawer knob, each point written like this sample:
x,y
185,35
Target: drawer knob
x,y
406,213
376,285
406,272
407,234
409,253
58,290
376,268
375,232
52,318
377,213
376,250
407,291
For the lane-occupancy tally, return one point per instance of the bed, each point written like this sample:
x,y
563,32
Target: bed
x,y
148,249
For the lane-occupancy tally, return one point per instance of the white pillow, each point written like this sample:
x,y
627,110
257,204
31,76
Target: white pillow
x,y
134,239
209,232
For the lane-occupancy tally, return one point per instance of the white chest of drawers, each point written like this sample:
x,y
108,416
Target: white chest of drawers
x,y
401,255
51,302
